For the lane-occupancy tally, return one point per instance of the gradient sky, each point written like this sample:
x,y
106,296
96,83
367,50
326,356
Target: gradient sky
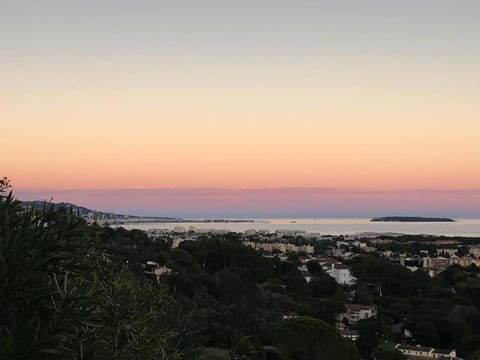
x,y
371,97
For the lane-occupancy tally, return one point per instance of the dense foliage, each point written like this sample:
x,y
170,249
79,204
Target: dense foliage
x,y
309,338
443,311
69,290
229,289
61,297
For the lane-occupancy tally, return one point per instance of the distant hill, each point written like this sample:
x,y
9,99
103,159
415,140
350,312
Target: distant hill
x,y
91,214
410,219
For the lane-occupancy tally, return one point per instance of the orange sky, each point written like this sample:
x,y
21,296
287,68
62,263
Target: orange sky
x,y
313,95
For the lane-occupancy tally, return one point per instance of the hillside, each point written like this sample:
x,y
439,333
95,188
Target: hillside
x,y
91,214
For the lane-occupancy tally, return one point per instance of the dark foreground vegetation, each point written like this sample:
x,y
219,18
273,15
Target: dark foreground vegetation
x,y
69,290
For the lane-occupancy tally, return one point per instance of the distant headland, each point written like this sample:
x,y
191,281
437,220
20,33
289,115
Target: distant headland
x,y
119,219
411,219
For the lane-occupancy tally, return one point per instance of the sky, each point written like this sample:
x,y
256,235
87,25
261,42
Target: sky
x,y
243,105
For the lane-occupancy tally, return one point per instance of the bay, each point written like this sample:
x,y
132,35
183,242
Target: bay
x,y
325,226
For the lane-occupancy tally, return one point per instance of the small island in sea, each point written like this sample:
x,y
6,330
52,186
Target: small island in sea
x,y
411,219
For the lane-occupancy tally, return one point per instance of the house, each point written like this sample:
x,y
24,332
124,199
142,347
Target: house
x,y
308,277
387,253
420,352
337,252
156,271
179,230
447,252
357,312
475,251
290,316
440,263
342,274
176,242
464,261
351,335
370,249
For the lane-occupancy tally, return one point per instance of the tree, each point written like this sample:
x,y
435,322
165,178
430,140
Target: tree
x,y
468,345
362,296
387,353
339,295
241,347
305,338
296,283
214,354
62,297
474,356
315,268
323,285
426,333
367,340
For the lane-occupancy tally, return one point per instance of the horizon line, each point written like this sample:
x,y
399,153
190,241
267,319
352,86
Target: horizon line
x,y
242,189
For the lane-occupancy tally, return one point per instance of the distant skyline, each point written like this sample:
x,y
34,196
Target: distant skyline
x,y
372,98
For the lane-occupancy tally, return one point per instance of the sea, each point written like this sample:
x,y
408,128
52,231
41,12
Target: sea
x,y
461,227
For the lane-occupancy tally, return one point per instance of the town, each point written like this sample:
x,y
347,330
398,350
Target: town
x,y
334,255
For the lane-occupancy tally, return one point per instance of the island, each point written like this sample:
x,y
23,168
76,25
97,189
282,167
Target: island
x,y
410,219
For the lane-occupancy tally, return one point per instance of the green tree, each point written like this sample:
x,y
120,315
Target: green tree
x,y
468,345
214,354
426,333
474,356
62,297
306,338
387,353
241,347
368,339
362,296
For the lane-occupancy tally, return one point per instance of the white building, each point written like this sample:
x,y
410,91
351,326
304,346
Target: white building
x,y
342,274
351,335
282,247
357,312
450,252
420,352
475,251
179,229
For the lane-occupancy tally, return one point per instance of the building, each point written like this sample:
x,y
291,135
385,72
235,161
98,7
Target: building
x,y
437,263
369,249
179,229
154,270
387,254
342,274
339,252
447,252
351,335
293,233
440,263
281,247
420,352
357,312
464,261
475,251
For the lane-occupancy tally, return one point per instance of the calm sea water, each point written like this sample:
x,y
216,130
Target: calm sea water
x,y
463,227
